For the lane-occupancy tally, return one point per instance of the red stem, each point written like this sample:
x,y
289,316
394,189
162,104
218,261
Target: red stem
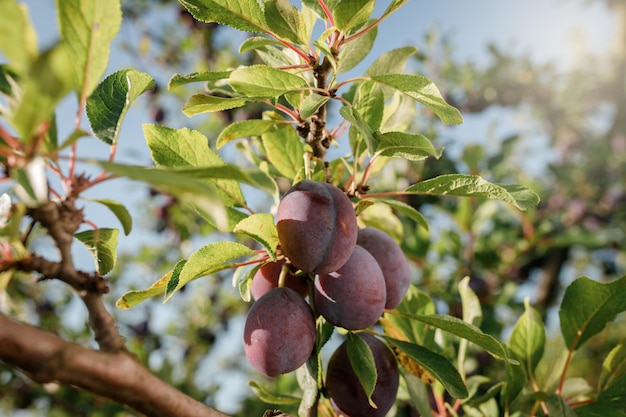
x,y
329,15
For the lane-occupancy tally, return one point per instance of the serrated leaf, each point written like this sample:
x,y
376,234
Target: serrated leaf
x,y
262,81
284,21
49,80
269,397
178,80
350,15
107,106
408,146
203,103
528,338
363,364
102,244
391,62
588,306
132,298
260,227
370,104
284,150
18,39
311,104
270,51
435,364
424,91
189,148
355,51
462,185
120,212
206,260
88,27
242,279
244,15
244,128
315,6
393,6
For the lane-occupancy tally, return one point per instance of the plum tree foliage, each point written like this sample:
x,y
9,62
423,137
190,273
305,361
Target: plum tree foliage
x,y
332,256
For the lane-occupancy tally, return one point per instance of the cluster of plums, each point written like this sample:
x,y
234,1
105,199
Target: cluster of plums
x,y
358,273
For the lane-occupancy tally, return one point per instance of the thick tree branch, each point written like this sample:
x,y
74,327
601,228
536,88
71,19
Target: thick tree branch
x,y
45,357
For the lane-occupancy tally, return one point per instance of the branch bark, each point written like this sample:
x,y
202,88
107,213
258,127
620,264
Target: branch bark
x,y
116,375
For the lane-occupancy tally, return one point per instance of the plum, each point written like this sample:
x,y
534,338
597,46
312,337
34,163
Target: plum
x,y
266,278
354,296
391,260
316,226
279,334
345,390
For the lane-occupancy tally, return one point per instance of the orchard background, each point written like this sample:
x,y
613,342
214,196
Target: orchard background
x,y
533,336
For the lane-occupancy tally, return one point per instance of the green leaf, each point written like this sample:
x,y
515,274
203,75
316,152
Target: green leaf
x,y
284,150
419,394
269,397
557,407
244,15
110,101
18,40
435,364
189,148
528,338
88,27
405,209
203,103
351,15
120,212
613,367
601,409
363,364
178,80
370,104
315,6
307,382
260,227
472,312
423,90
268,50
391,62
132,298
284,21
407,146
462,185
311,104
393,6
7,80
244,128
360,125
355,51
102,244
588,306
263,81
49,80
206,260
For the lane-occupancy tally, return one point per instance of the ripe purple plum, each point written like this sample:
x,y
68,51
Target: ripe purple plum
x,y
317,226
354,296
266,279
345,390
391,260
279,334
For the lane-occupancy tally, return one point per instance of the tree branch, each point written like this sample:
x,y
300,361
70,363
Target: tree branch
x,y
117,375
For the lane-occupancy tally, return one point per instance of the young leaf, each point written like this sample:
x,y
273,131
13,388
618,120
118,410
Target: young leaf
x,y
260,227
424,91
244,15
351,15
102,243
132,298
110,101
284,150
206,260
242,129
284,21
355,51
363,364
179,79
88,27
120,212
189,148
311,104
588,306
435,364
263,81
18,40
203,103
407,146
269,397
474,186
528,338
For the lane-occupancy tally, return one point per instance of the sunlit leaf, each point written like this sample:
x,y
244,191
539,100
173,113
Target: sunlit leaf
x,y
18,40
178,80
203,103
264,81
355,51
408,146
363,364
132,298
528,338
260,227
284,150
242,129
350,15
269,397
244,15
120,211
102,244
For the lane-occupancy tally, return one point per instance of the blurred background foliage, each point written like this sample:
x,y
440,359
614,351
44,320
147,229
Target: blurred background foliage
x,y
570,148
